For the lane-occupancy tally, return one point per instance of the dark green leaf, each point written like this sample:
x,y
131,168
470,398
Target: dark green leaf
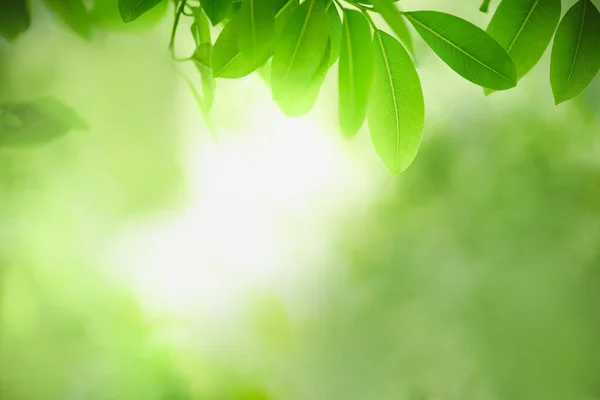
x,y
576,51
355,71
217,10
299,52
36,122
227,60
393,17
395,110
524,29
133,9
74,14
14,18
467,49
485,6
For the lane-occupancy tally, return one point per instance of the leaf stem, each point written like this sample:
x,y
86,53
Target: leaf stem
x,y
178,13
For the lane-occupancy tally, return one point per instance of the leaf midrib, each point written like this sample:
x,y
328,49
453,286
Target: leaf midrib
x,y
350,61
577,49
409,16
302,32
394,100
134,9
527,18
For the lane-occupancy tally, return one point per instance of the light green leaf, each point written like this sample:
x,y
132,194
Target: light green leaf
x,y
36,122
202,59
303,103
298,53
396,110
393,17
200,27
576,51
285,11
217,10
335,31
355,71
206,77
467,49
14,18
524,29
74,14
130,10
228,61
256,27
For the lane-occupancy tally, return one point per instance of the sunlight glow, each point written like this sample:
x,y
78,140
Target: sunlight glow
x,y
261,210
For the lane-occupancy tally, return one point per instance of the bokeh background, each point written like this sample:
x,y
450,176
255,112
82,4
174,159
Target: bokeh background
x,y
145,260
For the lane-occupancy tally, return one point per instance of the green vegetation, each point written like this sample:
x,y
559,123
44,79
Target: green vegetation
x,y
302,40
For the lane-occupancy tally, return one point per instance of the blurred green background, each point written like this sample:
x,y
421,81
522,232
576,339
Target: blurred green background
x,y
141,260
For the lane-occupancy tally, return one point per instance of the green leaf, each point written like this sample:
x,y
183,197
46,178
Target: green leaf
x,y
217,10
105,14
335,31
74,14
228,61
485,6
355,71
393,17
467,49
396,110
130,10
282,16
202,59
304,102
524,29
576,51
200,28
256,27
298,53
14,18
36,122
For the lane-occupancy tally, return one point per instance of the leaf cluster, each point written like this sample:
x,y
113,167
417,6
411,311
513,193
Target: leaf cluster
x,y
296,42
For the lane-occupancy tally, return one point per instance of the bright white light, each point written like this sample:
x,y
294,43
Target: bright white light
x,y
259,214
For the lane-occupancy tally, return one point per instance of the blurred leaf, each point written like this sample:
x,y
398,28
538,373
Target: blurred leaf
x,y
202,59
393,17
255,27
131,10
467,49
227,60
298,53
14,18
105,13
74,14
335,30
36,122
217,10
576,51
485,6
355,71
395,109
524,29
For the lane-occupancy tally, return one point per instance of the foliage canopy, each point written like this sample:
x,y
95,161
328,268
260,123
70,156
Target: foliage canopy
x,y
298,41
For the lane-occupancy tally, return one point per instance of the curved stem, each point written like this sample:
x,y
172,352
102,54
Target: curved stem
x,y
178,13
